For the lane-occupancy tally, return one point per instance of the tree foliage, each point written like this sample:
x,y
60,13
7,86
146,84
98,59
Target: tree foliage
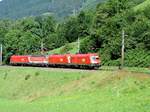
x,y
99,31
59,8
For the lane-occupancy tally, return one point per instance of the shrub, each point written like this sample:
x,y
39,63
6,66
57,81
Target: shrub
x,y
138,58
88,45
37,73
27,77
65,49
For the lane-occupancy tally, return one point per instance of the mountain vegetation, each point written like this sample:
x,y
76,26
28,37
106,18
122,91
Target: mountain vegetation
x,y
99,30
143,5
58,8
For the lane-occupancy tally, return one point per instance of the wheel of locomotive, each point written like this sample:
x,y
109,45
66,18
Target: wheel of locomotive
x,y
96,68
91,67
79,66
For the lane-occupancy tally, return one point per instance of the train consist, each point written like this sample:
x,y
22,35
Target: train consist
x,y
68,60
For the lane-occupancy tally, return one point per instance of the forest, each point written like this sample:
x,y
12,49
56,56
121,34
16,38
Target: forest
x,y
15,9
99,31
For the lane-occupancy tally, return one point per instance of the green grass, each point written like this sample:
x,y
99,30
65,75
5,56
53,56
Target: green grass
x,y
68,48
63,90
142,6
130,69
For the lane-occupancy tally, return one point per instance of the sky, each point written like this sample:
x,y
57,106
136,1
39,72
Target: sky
x,y
1,0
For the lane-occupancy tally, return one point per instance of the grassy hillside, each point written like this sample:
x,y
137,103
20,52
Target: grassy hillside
x,y
60,8
68,48
143,5
60,90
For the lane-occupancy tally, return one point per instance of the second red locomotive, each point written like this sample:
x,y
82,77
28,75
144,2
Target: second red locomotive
x,y
68,60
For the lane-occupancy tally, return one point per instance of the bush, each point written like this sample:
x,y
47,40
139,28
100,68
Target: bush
x,y
37,73
65,49
27,77
133,58
88,45
138,58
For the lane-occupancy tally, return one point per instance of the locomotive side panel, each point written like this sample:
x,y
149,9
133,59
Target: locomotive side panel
x,y
81,59
68,60
57,59
19,60
38,59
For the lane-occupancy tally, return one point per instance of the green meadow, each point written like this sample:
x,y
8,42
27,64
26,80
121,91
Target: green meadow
x,y
66,90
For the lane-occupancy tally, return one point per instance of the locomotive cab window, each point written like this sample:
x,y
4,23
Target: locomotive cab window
x,y
95,58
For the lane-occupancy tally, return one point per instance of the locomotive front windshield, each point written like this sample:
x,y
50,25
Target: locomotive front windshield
x,y
95,58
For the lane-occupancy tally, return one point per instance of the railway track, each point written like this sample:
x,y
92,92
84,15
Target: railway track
x,y
51,68
103,68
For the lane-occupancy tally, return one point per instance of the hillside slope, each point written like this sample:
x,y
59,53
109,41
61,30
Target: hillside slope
x,y
68,48
60,90
143,5
60,8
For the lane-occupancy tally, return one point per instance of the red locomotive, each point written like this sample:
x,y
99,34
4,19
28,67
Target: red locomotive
x,y
68,60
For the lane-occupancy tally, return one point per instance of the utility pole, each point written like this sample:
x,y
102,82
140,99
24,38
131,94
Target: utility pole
x,y
78,45
122,50
1,54
42,47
